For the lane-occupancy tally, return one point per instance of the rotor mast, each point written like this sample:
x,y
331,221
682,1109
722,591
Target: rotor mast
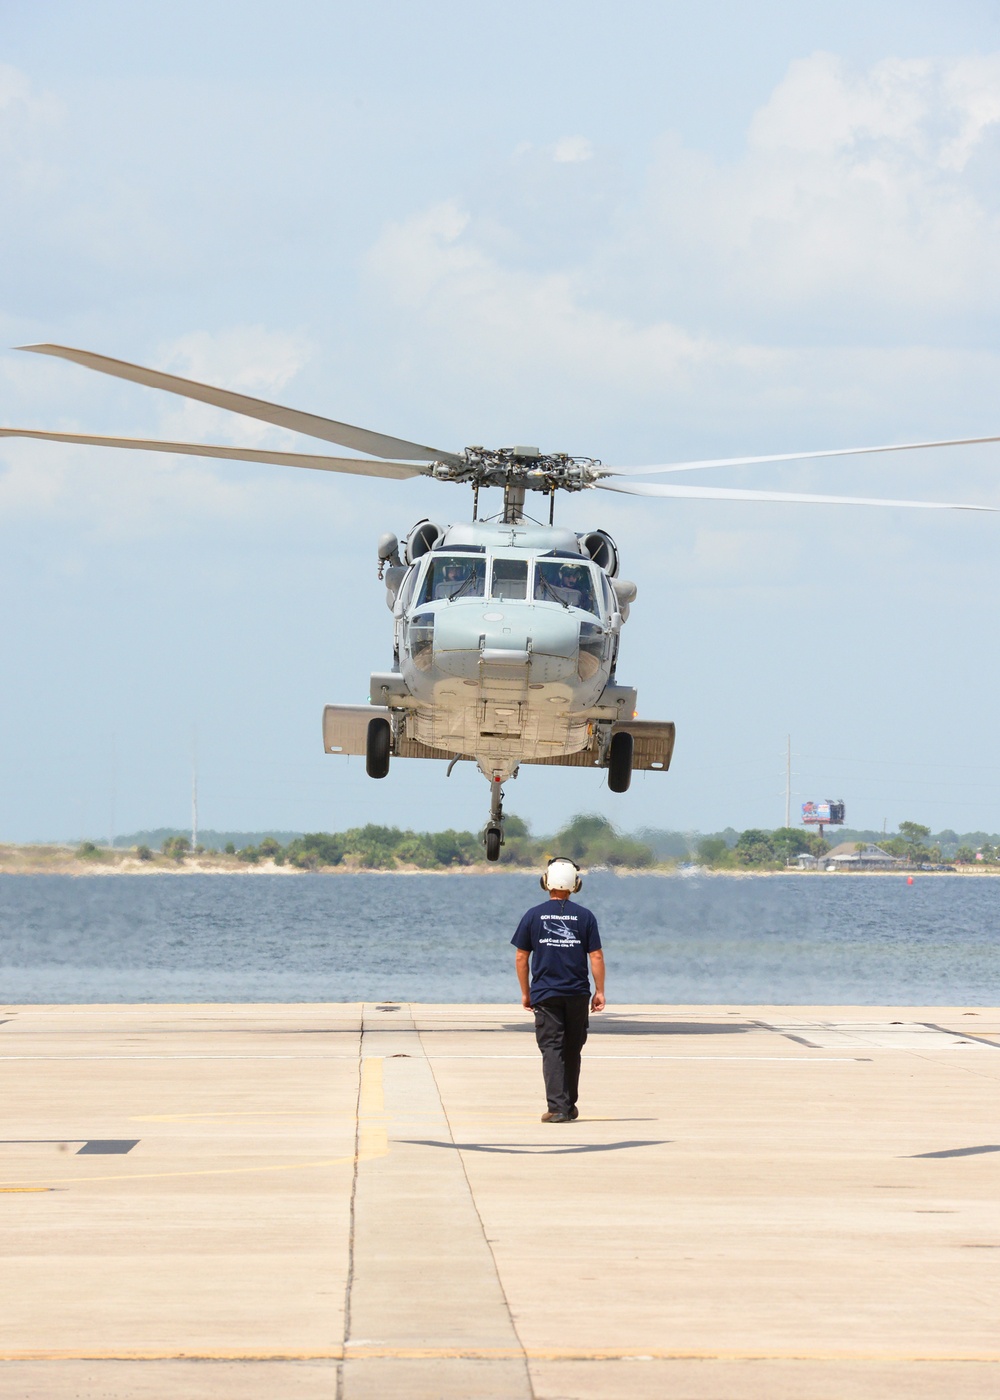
x,y
513,501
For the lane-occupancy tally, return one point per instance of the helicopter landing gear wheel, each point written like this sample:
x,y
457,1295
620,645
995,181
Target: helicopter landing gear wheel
x,y
620,762
494,840
377,748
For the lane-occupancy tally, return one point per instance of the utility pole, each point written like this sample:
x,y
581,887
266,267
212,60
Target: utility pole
x,y
194,792
114,785
788,782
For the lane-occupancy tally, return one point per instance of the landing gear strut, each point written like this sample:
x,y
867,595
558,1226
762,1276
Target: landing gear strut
x,y
493,835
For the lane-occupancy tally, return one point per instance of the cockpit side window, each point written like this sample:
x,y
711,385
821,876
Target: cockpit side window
x,y
510,579
453,576
406,592
565,581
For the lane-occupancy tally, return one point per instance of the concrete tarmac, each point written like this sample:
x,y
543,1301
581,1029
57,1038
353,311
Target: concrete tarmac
x,y
757,1203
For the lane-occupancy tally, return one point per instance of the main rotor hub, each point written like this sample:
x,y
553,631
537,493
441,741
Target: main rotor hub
x,y
524,467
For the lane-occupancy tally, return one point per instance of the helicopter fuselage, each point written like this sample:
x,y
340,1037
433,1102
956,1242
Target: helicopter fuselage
x,y
506,638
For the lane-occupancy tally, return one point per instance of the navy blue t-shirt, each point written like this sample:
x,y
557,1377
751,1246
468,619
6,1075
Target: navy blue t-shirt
x,y
559,935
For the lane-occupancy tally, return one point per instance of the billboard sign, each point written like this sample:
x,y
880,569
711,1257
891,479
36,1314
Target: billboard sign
x,y
823,813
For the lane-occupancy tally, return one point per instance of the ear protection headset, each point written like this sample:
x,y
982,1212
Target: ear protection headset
x,y
561,873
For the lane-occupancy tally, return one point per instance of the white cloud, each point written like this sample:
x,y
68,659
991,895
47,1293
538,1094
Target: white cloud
x,y
21,101
488,317
857,196
248,359
819,281
572,150
113,493
26,114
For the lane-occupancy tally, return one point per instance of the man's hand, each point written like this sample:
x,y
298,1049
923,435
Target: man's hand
x,y
521,963
597,1002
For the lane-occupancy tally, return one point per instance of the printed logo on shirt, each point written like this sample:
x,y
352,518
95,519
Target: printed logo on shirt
x,y
556,927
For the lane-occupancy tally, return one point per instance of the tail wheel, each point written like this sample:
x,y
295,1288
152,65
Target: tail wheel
x,y
377,748
493,843
620,762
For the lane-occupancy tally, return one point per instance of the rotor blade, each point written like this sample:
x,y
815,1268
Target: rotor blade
x,y
359,439
399,471
722,493
792,456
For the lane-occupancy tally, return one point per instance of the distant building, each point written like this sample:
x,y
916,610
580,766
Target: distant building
x,y
850,855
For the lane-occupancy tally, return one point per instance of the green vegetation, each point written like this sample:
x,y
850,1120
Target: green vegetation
x,y
759,849
911,844
592,840
589,840
776,850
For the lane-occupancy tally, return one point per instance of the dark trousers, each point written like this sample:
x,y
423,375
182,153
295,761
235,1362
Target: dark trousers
x,y
561,1032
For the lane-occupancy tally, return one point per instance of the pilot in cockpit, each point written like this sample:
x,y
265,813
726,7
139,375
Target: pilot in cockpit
x,y
574,587
454,573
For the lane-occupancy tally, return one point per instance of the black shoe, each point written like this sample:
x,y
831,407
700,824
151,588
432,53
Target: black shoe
x,y
556,1118
574,1114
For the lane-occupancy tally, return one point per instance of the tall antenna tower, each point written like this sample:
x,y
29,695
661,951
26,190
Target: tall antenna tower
x,y
194,792
788,782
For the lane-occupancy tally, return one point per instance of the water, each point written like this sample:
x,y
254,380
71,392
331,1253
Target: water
x,y
805,939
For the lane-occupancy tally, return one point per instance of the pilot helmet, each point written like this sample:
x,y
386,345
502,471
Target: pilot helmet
x,y
561,873
570,573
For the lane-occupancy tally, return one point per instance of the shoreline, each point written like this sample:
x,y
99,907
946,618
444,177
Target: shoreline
x,y
39,859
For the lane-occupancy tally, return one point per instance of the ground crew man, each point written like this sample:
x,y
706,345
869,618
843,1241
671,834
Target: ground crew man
x,y
557,939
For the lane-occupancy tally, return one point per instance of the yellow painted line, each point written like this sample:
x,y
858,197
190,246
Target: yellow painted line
x,y
193,1355
373,1353
472,1353
373,1139
375,1144
372,1098
255,1113
207,1171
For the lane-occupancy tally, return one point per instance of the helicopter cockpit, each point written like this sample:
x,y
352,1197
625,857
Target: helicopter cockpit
x,y
567,581
452,576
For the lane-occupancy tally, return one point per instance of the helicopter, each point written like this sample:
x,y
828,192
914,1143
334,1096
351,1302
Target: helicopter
x,y
506,629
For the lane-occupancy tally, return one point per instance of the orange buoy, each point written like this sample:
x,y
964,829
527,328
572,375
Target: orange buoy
x,y
909,879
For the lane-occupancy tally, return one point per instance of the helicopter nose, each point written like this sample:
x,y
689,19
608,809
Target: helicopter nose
x,y
466,638
555,634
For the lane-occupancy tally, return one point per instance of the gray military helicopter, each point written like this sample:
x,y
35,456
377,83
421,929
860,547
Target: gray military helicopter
x,y
506,629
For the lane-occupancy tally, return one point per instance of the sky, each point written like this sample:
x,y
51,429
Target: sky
x,y
647,233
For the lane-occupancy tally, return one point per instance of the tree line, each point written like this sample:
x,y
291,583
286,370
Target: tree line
x,y
776,849
588,839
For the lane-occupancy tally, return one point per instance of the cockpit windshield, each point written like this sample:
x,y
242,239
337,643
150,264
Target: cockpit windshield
x,y
510,579
453,576
565,581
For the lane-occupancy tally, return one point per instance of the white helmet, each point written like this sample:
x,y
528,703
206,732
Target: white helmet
x,y
561,873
